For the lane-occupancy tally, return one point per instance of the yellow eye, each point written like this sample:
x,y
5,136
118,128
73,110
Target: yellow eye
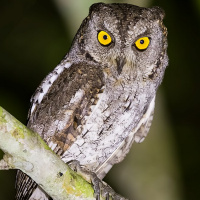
x,y
104,38
142,43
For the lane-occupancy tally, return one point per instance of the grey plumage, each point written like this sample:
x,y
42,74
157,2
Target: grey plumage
x,y
100,98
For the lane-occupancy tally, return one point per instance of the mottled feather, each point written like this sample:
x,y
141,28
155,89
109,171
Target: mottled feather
x,y
100,98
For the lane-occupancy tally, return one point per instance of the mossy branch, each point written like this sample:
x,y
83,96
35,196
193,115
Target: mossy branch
x,y
25,150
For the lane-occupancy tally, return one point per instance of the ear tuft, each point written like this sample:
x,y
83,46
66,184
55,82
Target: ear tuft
x,y
95,7
158,11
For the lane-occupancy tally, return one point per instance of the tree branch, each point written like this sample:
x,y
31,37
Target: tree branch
x,y
25,150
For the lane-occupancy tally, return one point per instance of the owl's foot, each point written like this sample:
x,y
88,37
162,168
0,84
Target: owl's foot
x,y
103,189
100,187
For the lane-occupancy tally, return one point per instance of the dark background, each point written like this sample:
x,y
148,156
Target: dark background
x,y
33,40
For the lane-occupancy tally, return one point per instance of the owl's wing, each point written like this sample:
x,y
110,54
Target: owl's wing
x,y
145,123
138,135
47,82
58,106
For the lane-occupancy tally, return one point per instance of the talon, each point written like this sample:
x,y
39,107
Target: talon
x,y
98,197
107,196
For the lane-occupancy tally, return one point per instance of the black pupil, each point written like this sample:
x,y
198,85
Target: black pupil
x,y
105,37
141,41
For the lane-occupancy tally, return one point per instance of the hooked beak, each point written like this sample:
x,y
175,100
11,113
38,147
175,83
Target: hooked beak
x,y
120,64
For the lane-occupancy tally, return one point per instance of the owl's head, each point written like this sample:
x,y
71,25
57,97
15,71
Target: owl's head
x,y
123,37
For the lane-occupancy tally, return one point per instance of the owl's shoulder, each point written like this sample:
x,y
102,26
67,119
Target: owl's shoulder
x,y
66,76
45,85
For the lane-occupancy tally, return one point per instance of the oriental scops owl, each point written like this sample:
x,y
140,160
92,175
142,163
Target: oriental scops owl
x,y
101,97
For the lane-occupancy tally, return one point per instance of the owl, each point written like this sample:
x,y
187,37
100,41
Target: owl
x,y
101,97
